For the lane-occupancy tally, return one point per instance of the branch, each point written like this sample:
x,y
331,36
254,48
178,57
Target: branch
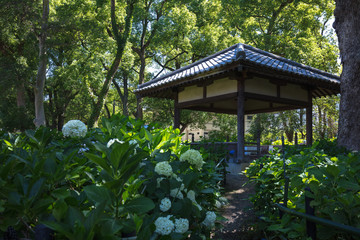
x,y
107,110
118,89
163,65
167,62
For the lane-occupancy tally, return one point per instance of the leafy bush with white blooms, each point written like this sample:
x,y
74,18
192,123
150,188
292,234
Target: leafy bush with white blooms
x,y
119,180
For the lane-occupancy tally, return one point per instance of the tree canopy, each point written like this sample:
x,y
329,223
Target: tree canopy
x,y
99,51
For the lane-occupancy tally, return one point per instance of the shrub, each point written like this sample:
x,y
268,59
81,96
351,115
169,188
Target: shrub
x,y
333,175
103,185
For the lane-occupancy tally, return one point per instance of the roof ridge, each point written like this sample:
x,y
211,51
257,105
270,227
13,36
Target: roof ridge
x,y
291,61
190,65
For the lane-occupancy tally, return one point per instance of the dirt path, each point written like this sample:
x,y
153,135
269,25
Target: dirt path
x,y
240,217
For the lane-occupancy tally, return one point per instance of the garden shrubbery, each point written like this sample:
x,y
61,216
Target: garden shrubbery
x,y
332,174
123,179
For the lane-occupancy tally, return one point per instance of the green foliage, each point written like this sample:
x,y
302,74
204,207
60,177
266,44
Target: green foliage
x,y
102,186
332,174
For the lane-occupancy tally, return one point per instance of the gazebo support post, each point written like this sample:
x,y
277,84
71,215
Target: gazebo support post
x,y
309,133
177,112
240,120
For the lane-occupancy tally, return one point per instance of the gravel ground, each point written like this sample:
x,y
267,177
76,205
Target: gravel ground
x,y
240,218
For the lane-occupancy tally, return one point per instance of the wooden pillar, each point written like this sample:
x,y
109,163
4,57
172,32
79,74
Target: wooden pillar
x,y
309,120
177,112
240,120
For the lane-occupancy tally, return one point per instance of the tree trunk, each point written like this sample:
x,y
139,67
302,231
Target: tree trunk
x,y
139,110
347,22
41,74
126,97
20,95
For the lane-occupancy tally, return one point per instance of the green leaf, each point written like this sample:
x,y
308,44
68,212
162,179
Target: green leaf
x,y
60,209
119,154
8,143
59,227
139,205
349,185
30,134
74,216
42,205
100,161
60,193
148,135
110,227
176,236
98,194
35,189
95,216
333,170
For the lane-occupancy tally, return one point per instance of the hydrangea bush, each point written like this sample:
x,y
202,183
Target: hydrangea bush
x,y
122,179
333,175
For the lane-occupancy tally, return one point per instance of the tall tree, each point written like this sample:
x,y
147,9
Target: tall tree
x,y
347,21
146,27
41,74
120,35
187,32
18,60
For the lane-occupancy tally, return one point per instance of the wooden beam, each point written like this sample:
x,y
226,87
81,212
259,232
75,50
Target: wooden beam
x,y
205,83
240,120
315,94
275,99
176,113
278,91
234,111
212,109
207,100
273,109
309,122
228,96
279,82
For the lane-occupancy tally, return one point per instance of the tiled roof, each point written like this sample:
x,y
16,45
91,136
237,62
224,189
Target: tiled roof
x,y
244,55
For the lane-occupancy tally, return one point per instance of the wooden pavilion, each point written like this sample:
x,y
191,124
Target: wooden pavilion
x,y
243,80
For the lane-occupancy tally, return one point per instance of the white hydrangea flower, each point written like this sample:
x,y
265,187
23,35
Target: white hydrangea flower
x,y
165,204
158,180
223,201
181,225
176,193
191,195
163,168
164,226
112,141
74,128
178,179
210,218
193,157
